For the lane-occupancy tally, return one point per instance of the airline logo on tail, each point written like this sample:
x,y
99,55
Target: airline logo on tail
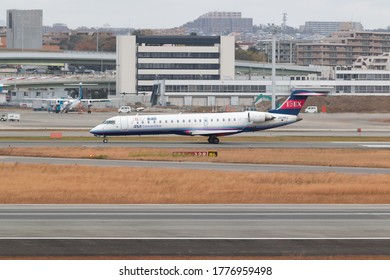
x,y
295,102
292,104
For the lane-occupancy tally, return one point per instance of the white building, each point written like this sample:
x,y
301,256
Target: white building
x,y
346,81
143,59
374,62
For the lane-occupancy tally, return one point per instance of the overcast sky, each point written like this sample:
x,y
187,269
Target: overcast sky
x,y
173,13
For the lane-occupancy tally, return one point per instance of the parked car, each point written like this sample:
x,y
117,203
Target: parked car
x,y
124,109
311,109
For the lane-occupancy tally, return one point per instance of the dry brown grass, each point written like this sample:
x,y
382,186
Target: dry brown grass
x,y
323,157
73,184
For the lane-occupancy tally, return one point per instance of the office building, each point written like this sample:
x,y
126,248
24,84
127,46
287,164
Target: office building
x,y
143,59
24,29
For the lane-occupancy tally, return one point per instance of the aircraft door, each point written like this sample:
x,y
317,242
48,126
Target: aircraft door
x,y
206,122
124,125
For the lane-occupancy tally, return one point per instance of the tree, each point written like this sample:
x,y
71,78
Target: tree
x,y
252,54
83,42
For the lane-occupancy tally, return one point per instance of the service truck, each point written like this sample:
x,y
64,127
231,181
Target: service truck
x,y
12,117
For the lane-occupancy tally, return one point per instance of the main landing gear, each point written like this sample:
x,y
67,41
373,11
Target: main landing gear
x,y
213,140
105,140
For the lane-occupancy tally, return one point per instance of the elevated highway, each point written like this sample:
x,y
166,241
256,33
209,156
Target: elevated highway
x,y
31,80
57,58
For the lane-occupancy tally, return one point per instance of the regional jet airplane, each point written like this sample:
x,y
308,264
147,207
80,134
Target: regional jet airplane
x,y
64,105
211,125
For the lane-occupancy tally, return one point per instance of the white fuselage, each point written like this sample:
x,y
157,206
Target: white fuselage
x,y
205,124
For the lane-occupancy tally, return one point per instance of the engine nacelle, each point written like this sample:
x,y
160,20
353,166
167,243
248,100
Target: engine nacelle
x,y
258,117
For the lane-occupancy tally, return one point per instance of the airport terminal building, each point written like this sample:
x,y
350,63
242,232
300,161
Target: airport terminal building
x,y
141,60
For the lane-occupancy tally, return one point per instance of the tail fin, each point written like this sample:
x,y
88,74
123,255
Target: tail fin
x,y
294,104
80,91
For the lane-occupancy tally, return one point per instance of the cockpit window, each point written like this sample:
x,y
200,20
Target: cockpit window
x,y
109,122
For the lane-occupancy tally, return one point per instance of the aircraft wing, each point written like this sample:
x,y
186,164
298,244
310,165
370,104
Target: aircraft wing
x,y
213,132
49,99
95,100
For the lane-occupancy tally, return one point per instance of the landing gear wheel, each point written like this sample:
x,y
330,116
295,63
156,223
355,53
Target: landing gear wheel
x,y
213,140
105,140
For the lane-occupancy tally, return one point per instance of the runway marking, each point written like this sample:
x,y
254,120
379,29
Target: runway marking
x,y
193,238
196,214
377,146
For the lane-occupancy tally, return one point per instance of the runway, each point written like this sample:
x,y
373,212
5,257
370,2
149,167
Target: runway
x,y
234,167
213,230
74,124
142,142
194,221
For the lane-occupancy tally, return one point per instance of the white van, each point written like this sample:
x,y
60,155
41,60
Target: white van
x,y
311,109
124,109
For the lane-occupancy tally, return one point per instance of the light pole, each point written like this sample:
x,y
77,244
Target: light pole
x,y
274,30
97,39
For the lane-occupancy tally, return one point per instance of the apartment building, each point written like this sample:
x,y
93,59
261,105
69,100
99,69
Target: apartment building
x,y
220,23
285,50
343,48
377,62
326,28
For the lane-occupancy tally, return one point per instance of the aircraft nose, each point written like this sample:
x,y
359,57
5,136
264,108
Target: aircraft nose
x,y
94,130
